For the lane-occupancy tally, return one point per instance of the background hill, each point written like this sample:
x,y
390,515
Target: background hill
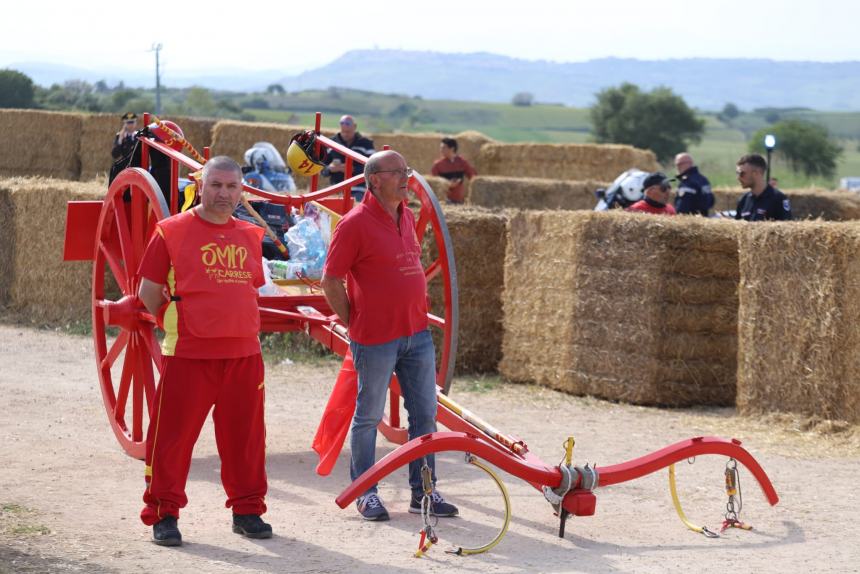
x,y
707,84
704,83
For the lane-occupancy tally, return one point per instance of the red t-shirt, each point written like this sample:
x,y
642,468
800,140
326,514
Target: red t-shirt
x,y
158,268
643,206
385,281
455,168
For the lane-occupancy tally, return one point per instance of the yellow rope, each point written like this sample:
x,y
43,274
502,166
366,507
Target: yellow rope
x,y
461,551
677,502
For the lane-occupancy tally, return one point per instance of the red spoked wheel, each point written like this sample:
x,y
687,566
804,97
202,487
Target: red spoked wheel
x,y
441,276
133,205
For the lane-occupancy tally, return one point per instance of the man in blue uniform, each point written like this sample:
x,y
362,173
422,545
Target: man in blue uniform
x,y
762,202
694,195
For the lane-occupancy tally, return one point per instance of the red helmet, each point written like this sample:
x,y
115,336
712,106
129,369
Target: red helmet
x,y
165,136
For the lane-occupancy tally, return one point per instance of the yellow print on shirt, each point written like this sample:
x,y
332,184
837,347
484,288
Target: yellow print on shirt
x,y
225,264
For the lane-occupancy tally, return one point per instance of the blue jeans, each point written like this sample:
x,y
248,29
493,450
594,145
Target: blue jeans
x,y
413,359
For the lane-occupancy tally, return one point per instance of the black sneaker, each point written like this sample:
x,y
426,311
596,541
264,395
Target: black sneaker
x,y
166,533
438,506
370,507
251,526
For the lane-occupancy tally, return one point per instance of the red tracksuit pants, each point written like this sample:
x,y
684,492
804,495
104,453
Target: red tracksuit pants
x,y
188,389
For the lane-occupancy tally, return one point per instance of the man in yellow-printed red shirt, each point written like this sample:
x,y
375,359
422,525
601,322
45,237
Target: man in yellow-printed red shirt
x,y
200,275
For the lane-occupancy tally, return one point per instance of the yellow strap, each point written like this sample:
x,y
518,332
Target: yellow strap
x,y
677,502
461,551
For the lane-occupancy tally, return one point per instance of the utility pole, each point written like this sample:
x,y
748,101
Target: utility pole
x,y
157,48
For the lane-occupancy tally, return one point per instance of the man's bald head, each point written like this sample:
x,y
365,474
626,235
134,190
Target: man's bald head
x,y
683,162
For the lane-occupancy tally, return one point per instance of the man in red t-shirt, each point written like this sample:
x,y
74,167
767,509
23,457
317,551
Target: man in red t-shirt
x,y
384,306
200,275
453,168
657,189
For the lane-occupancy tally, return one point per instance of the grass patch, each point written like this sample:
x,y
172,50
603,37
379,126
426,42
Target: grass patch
x,y
294,346
18,520
477,383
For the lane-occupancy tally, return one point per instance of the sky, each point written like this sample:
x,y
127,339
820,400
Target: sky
x,y
288,36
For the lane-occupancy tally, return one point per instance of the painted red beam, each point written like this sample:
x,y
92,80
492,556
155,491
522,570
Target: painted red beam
x,y
682,450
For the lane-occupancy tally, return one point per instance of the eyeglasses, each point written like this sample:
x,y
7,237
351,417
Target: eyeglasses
x,y
401,172
131,122
347,124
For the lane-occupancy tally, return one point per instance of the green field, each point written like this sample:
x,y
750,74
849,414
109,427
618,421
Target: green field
x,y
717,153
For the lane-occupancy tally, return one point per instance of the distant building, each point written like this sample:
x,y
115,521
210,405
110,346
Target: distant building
x,y
850,183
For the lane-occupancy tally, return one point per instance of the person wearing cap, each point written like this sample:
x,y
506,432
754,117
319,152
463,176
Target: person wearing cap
x,y
763,201
454,168
123,140
351,138
694,194
656,188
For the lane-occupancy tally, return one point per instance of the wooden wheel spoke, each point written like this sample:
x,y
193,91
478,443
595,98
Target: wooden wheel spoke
x,y
113,256
139,217
125,381
126,243
142,376
115,350
433,270
421,224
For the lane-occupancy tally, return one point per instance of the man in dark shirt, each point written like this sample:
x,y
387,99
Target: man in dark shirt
x,y
762,202
350,137
694,194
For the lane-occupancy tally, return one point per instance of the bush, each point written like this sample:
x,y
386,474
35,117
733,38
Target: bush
x,y
660,120
806,146
16,90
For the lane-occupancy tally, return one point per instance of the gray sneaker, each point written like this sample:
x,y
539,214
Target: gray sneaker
x,y
370,507
438,506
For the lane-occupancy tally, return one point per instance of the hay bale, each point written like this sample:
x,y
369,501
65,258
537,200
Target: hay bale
x,y
43,289
421,150
439,185
479,253
98,131
563,161
799,349
532,193
39,143
807,203
7,244
622,306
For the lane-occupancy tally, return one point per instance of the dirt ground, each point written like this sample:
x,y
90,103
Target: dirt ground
x,y
70,497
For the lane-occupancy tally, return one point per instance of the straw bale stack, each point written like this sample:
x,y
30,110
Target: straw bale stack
x,y
532,193
622,306
479,253
421,150
39,143
799,346
43,288
439,185
807,203
563,161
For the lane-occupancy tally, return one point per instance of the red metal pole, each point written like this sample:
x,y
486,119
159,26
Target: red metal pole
x,y
317,126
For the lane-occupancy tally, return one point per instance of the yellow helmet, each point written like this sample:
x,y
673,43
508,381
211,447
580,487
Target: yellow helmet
x,y
302,155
